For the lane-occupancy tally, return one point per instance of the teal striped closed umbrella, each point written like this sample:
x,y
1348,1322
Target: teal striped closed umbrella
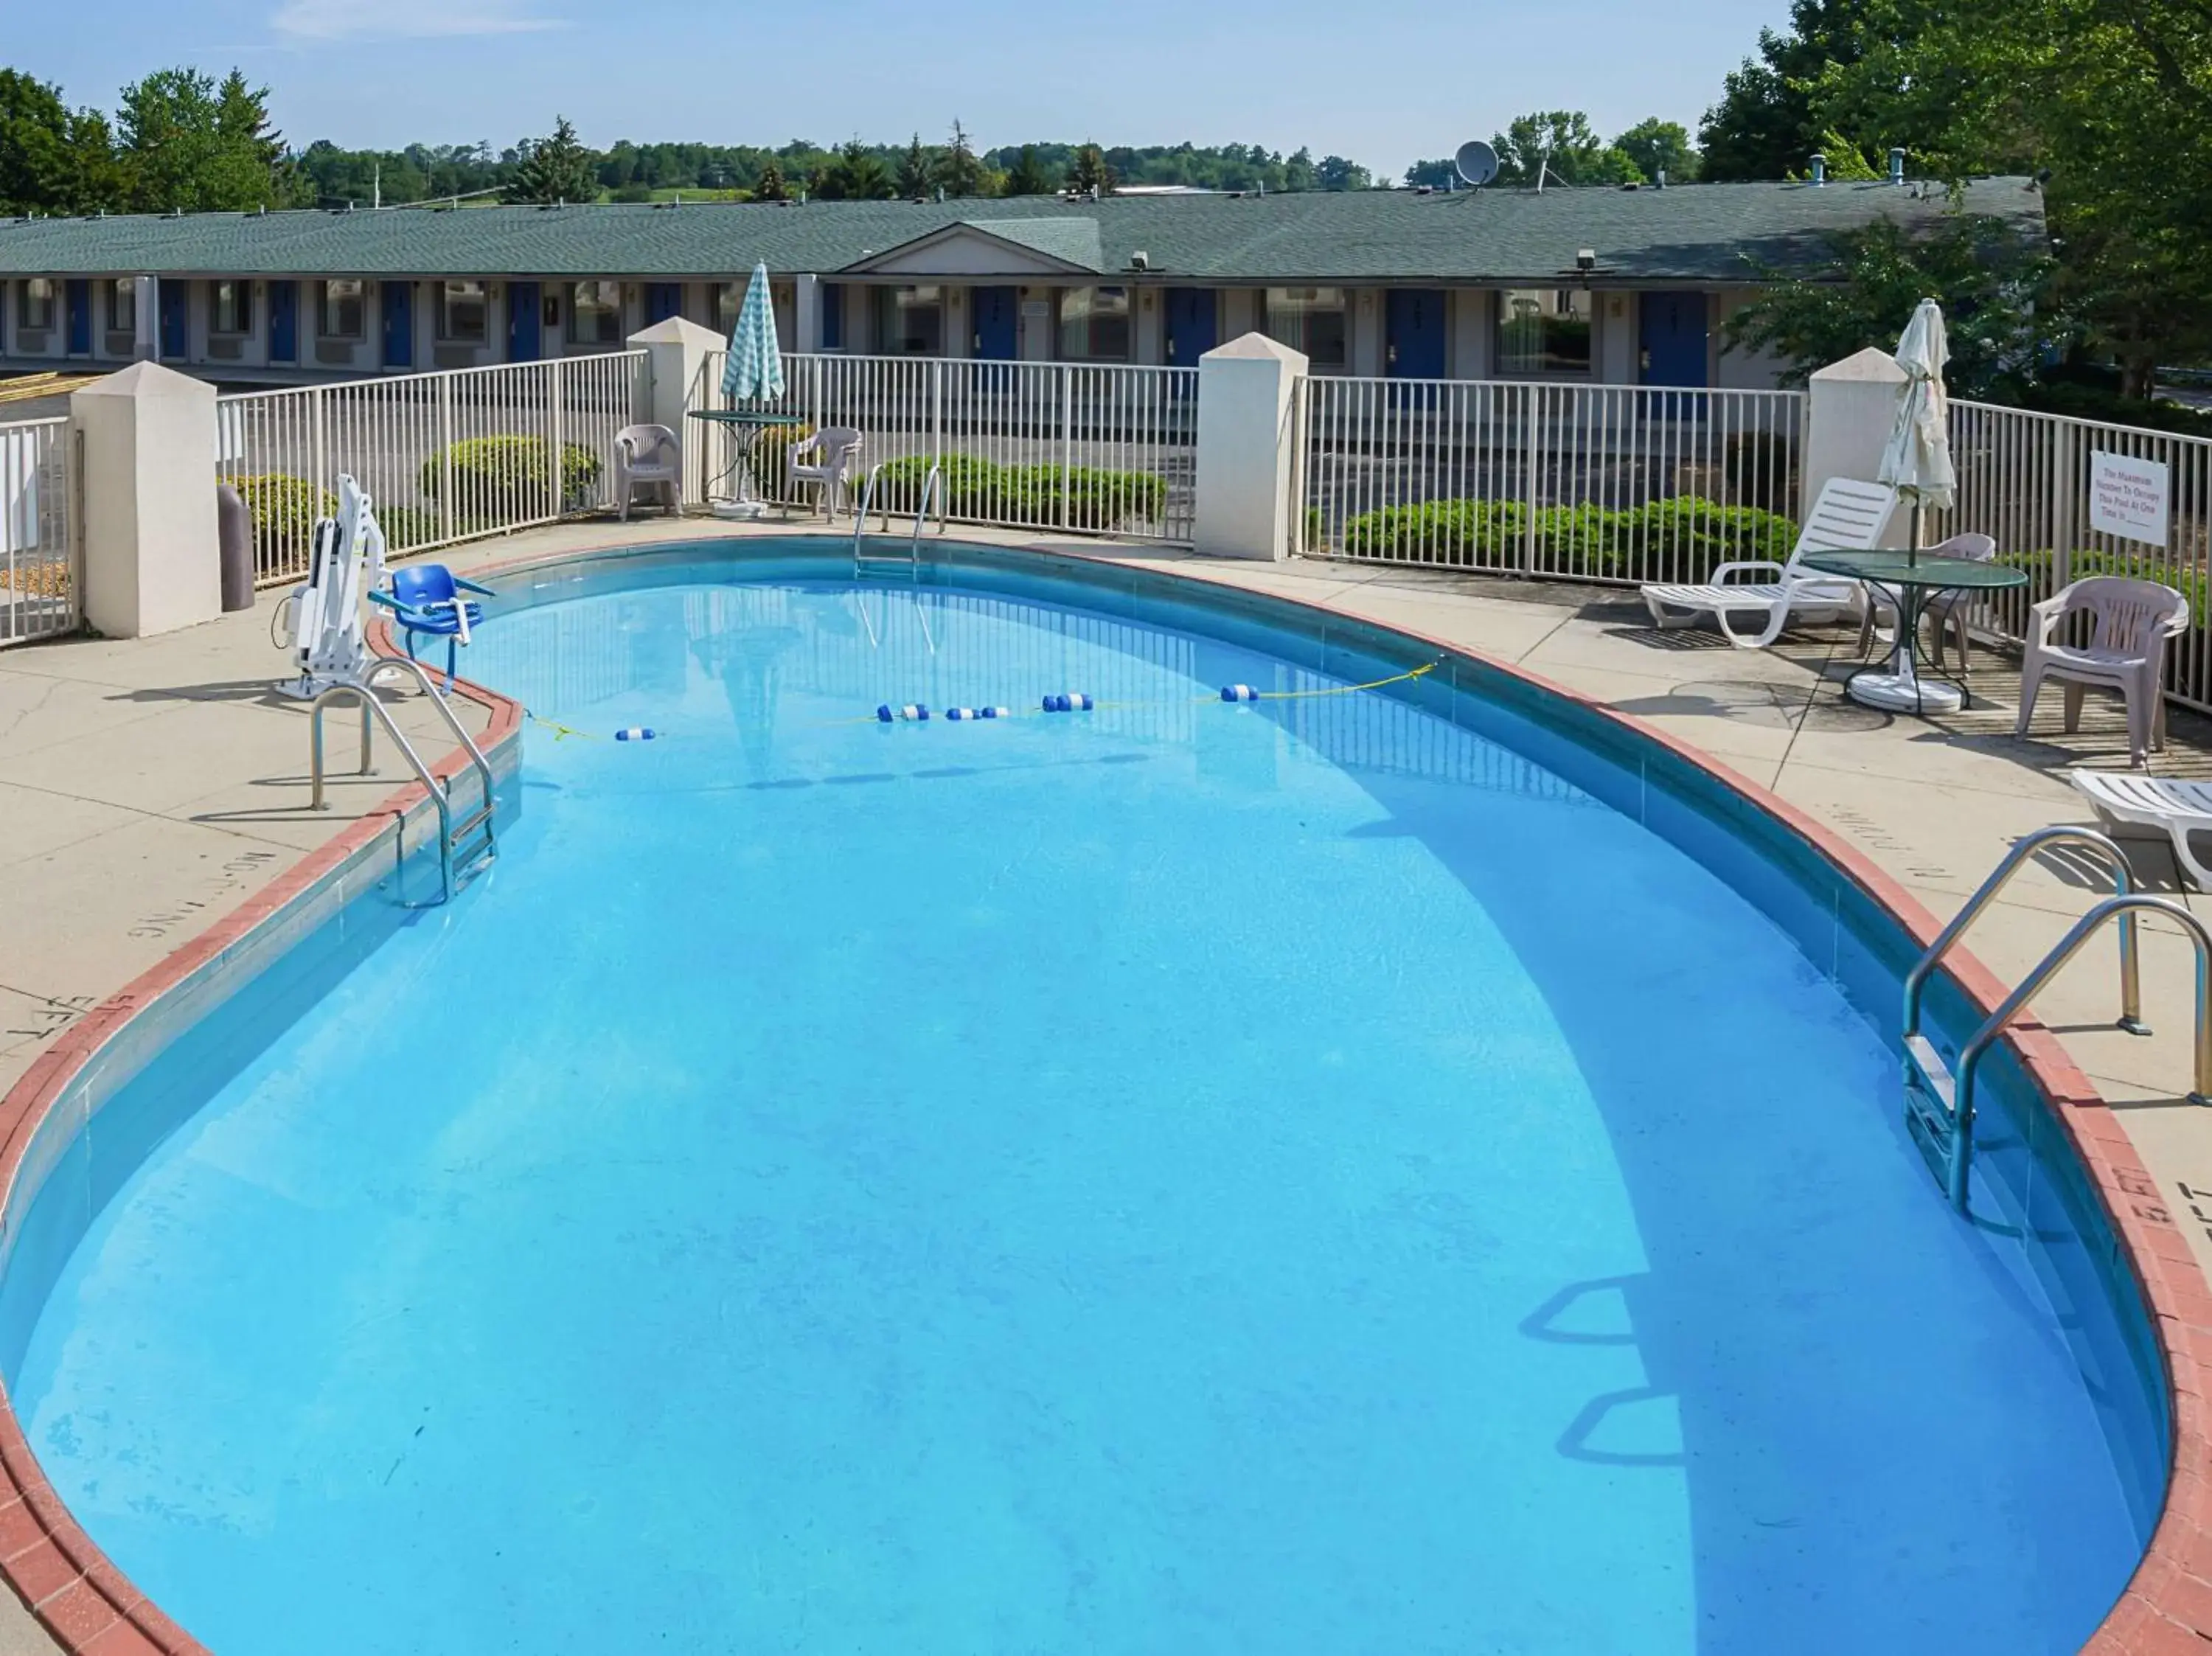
x,y
754,371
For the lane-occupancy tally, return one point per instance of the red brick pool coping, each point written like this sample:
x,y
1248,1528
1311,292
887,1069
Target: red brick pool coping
x,y
91,1609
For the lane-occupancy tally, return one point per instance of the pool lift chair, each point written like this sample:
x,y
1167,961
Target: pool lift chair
x,y
429,600
320,623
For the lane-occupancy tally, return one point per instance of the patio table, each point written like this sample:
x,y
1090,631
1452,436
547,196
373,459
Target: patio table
x,y
744,427
1897,685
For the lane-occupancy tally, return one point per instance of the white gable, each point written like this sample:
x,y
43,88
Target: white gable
x,y
963,251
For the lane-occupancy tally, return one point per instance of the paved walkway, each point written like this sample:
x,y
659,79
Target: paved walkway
x,y
148,787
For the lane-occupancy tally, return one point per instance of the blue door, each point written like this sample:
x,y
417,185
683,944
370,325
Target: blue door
x,y
80,318
522,322
1672,330
1413,337
1193,324
176,317
662,300
399,325
284,322
994,311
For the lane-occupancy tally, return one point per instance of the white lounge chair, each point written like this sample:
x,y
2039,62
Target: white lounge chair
x,y
2176,808
1849,517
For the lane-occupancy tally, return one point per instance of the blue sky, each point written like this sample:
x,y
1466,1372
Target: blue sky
x,y
1380,83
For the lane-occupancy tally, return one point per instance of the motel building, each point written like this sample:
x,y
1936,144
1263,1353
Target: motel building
x,y
1597,285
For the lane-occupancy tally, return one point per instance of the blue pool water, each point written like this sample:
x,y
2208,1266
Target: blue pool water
x,y
1185,1178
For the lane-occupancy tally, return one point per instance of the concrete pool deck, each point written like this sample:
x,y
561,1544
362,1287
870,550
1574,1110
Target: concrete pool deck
x,y
148,788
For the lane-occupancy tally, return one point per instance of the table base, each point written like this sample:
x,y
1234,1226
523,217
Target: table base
x,y
1904,692
744,510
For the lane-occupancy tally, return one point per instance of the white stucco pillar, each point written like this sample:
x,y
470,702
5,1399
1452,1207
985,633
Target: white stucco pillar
x,y
147,437
1853,407
1245,449
675,356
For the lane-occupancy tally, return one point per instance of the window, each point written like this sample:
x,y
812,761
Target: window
x,y
729,300
595,313
343,312
122,305
1543,331
1094,323
833,316
1309,319
462,312
35,308
232,308
910,321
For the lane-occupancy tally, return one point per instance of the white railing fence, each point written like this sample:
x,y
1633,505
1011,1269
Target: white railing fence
x,y
446,457
1618,484
1108,450
40,597
2024,481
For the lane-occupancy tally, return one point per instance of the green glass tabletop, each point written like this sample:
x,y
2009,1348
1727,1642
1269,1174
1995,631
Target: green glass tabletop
x,y
746,417
1895,568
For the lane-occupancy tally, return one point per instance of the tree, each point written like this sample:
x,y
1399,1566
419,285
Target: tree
x,y
958,172
52,160
915,171
1334,173
1433,175
554,169
1557,145
857,173
1656,146
1027,177
1299,171
189,145
1088,171
769,185
1993,285
1765,126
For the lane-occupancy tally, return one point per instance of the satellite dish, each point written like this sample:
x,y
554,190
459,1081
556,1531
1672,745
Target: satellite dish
x,y
1476,162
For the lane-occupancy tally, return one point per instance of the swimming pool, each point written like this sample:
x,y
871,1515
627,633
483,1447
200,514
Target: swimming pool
x,y
1351,1172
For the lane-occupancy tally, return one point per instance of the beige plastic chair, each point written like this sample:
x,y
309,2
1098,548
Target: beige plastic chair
x,y
827,459
2130,622
650,455
1952,611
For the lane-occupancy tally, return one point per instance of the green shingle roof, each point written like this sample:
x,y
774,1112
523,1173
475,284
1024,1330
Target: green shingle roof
x,y
1696,232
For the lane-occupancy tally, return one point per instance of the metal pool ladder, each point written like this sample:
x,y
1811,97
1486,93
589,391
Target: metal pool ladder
x,y
933,489
1939,1099
464,848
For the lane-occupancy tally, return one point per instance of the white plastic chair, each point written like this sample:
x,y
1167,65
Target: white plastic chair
x,y
2130,622
651,456
836,455
2175,809
1953,611
1850,516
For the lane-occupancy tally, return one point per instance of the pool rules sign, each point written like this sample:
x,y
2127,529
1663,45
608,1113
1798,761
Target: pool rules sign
x,y
2128,497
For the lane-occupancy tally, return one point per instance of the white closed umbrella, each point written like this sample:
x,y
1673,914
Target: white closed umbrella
x,y
1917,460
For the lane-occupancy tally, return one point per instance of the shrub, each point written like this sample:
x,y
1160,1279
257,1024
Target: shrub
x,y
283,509
1684,536
976,487
501,479
774,444
2191,583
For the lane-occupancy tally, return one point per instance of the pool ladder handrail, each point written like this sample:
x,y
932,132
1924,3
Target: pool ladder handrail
x,y
1943,1124
933,489
451,856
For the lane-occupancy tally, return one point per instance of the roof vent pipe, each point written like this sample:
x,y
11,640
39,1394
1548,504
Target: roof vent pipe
x,y
1820,167
1897,166
1661,179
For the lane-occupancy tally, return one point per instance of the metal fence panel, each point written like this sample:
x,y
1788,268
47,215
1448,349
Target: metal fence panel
x,y
447,457
2024,481
1620,483
39,598
1105,449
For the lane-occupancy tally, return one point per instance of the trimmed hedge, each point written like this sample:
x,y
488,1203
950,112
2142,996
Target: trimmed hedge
x,y
283,509
979,489
499,479
1689,533
2193,583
